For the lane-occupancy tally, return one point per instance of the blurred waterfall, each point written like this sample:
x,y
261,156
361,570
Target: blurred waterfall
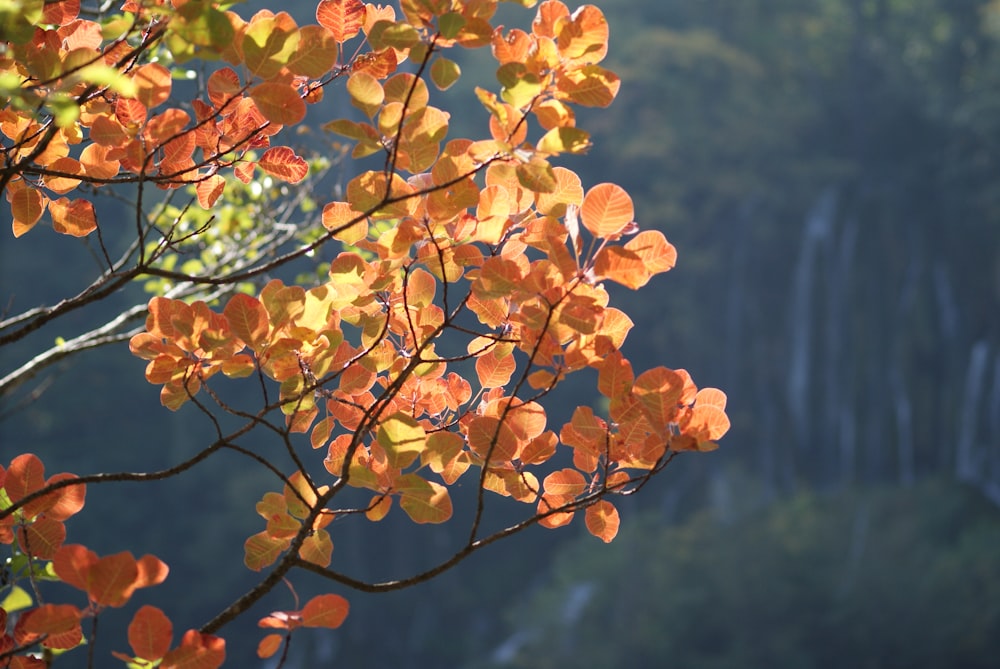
x,y
818,230
969,463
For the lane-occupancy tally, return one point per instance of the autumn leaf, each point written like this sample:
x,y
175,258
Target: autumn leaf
x,y
343,18
602,520
328,611
73,217
606,210
150,633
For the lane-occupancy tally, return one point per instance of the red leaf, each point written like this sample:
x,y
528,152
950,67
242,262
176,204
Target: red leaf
x,y
282,163
150,633
152,571
325,611
111,580
210,190
25,475
279,103
269,645
42,538
72,563
197,651
60,623
67,501
343,18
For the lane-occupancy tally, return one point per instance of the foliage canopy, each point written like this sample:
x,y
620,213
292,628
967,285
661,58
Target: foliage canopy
x,y
464,282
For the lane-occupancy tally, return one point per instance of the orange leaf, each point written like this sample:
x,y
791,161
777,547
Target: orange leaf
x,y
152,571
279,103
42,538
495,367
317,548
584,38
27,205
72,563
25,475
269,645
64,502
223,85
94,159
657,254
487,432
60,623
565,483
197,651
606,210
210,190
344,223
615,375
659,391
248,319
111,580
586,431
710,396
708,422
325,611
60,13
590,85
343,18
281,162
150,633
153,84
602,520
378,508
316,54
73,217
621,266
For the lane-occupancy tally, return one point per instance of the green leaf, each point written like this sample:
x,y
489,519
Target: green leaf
x,y
17,599
402,438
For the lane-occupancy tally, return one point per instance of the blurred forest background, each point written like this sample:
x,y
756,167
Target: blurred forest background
x,y
829,171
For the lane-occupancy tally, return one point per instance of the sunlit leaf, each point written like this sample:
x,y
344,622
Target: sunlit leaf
x,y
248,319
269,645
423,501
495,367
444,73
261,550
279,103
602,520
283,163
343,18
269,43
150,633
328,611
402,438
606,210
42,538
153,84
196,651
317,548
73,217
58,623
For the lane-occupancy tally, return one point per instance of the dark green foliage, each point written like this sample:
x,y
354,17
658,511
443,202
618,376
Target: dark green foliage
x,y
873,579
